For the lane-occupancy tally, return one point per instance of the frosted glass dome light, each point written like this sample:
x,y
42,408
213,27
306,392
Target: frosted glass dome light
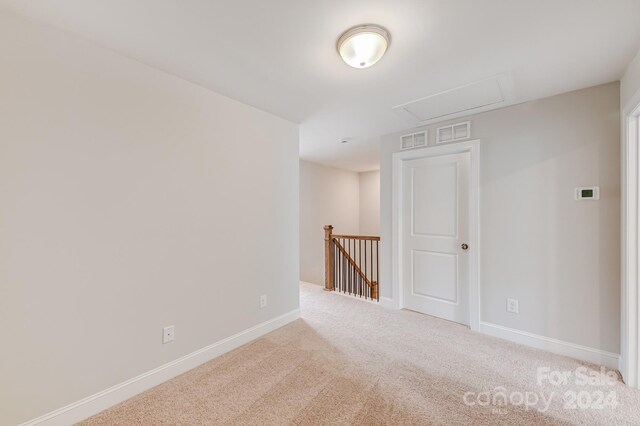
x,y
363,46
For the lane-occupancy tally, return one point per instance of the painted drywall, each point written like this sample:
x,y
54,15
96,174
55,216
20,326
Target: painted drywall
x,y
328,196
129,200
630,84
369,203
558,256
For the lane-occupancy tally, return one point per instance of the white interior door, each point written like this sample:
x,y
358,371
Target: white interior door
x,y
435,232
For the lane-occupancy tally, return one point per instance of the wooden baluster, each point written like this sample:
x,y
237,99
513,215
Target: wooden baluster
x,y
350,267
347,270
360,264
341,259
372,264
328,265
340,265
366,271
353,271
355,275
335,263
343,270
377,295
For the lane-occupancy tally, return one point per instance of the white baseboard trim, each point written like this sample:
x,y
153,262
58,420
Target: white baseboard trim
x,y
310,283
387,302
100,401
384,301
584,353
351,296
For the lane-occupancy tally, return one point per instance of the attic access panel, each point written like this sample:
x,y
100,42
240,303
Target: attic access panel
x,y
464,100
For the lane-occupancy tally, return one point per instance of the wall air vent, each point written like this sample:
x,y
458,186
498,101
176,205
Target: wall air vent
x,y
454,132
414,140
469,99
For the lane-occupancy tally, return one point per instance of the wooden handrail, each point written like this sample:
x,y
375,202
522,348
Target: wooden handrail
x,y
356,237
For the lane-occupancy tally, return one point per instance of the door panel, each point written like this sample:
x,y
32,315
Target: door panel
x,y
435,275
435,268
435,200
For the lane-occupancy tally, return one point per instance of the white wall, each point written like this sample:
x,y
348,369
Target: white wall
x,y
129,200
328,196
559,257
630,83
369,203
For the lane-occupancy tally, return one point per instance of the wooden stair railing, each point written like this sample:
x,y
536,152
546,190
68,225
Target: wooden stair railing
x,y
351,264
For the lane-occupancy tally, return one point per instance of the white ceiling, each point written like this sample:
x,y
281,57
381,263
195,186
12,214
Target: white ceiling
x,y
280,55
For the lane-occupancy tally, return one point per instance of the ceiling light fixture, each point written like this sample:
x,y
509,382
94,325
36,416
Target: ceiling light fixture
x,y
364,45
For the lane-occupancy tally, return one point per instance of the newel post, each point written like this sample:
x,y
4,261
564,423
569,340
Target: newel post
x,y
328,258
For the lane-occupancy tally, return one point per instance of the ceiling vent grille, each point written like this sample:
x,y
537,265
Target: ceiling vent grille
x,y
454,132
414,140
464,100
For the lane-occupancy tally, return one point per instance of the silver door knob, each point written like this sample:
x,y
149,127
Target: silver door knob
x,y
465,246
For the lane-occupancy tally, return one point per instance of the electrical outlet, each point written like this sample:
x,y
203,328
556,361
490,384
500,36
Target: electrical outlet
x,y
263,301
512,306
168,334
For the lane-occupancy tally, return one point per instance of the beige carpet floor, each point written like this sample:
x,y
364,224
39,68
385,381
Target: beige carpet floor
x,y
352,362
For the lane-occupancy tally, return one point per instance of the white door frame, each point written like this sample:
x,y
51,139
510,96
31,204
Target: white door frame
x,y
472,147
630,294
